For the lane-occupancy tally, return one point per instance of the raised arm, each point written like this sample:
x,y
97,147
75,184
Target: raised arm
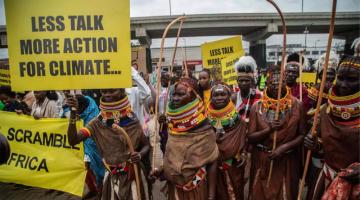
x,y
144,91
74,136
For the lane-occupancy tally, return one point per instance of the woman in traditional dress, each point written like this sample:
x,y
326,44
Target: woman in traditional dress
x,y
248,95
231,135
115,110
313,93
191,151
87,111
338,140
290,134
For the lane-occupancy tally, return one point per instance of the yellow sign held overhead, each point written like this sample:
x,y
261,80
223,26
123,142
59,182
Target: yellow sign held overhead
x,y
81,44
213,52
41,155
229,75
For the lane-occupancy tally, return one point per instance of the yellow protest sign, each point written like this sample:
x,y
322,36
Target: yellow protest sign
x,y
213,52
4,73
41,155
68,44
229,75
308,79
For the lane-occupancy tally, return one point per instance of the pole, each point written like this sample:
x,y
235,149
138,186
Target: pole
x,y
300,74
280,83
302,6
172,66
158,84
170,6
121,131
321,92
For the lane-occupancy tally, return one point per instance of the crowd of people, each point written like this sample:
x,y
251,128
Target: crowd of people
x,y
217,141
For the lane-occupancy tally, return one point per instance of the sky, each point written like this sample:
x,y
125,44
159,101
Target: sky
x,y
161,7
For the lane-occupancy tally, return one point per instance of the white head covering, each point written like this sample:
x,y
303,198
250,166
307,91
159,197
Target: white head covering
x,y
355,44
246,61
333,61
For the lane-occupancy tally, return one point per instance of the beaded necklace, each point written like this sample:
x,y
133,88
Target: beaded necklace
x,y
186,117
313,94
243,105
346,108
220,118
115,110
269,104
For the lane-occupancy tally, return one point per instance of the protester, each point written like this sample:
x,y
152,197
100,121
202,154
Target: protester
x,y
45,105
205,86
356,46
139,96
290,128
87,110
164,98
338,139
262,79
292,73
317,163
11,104
27,97
231,135
191,152
94,94
4,149
248,95
313,92
115,112
2,105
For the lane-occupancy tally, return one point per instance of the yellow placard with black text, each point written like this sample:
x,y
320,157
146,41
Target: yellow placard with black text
x,y
228,71
308,79
213,52
4,73
68,44
41,155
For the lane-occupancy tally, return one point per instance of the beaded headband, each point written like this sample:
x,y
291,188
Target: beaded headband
x,y
292,63
251,75
220,86
350,64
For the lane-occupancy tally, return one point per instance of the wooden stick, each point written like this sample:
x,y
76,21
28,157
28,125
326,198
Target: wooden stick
x,y
318,105
186,67
131,149
280,83
171,67
158,84
300,75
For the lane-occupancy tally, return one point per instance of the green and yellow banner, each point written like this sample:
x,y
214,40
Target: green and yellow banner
x,y
41,155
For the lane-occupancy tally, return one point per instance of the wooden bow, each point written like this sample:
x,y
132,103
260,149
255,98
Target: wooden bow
x,y
158,84
121,131
282,69
318,105
172,66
